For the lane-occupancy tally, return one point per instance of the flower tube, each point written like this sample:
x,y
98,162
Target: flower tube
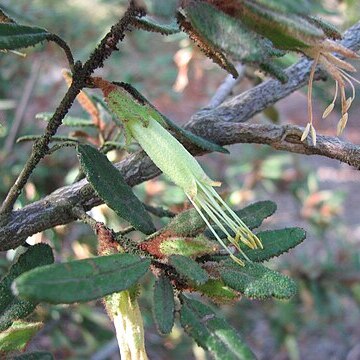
x,y
171,157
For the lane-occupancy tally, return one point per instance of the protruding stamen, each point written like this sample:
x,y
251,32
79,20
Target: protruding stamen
x,y
210,210
215,234
242,227
348,103
336,67
236,224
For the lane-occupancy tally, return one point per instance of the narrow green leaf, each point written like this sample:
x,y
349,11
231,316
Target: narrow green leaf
x,y
229,35
252,215
81,280
67,121
256,281
11,307
14,36
17,336
149,24
275,242
164,305
212,332
112,188
189,269
35,355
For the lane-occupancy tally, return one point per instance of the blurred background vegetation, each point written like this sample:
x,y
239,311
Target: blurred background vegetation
x,y
320,195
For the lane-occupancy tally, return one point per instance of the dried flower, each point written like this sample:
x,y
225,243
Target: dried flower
x,y
338,69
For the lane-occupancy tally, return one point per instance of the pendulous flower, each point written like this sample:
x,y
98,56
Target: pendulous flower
x,y
171,157
339,70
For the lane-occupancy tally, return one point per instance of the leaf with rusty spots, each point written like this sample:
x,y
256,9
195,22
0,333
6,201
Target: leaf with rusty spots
x,y
81,280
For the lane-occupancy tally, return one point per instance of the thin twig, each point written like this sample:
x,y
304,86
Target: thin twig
x,y
80,78
56,208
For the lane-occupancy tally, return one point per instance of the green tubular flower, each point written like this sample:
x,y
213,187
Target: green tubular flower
x,y
171,157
